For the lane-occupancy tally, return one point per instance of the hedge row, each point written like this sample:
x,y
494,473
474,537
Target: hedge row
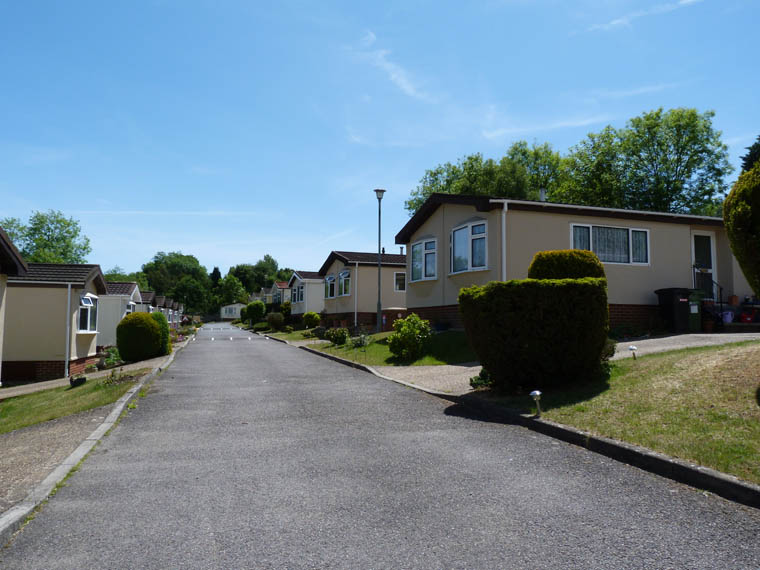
x,y
140,336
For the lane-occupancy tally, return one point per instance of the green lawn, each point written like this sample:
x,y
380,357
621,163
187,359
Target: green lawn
x,y
30,409
701,405
295,335
450,347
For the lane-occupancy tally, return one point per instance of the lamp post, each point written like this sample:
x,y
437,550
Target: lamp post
x,y
379,193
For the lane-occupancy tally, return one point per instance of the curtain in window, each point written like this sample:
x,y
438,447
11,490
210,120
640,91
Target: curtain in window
x,y
581,237
611,244
639,246
479,252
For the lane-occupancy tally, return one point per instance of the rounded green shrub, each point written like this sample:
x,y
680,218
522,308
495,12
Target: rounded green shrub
x,y
565,264
338,336
275,320
163,325
138,337
311,319
741,216
410,337
255,311
261,327
319,332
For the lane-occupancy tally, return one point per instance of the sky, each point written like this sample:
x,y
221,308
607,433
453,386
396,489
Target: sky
x,y
230,130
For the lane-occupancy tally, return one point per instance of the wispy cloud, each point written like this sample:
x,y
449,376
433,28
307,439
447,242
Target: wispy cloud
x,y
656,10
173,213
553,126
354,137
740,140
632,92
396,73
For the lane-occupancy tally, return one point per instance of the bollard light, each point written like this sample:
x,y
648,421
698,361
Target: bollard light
x,y
633,350
536,395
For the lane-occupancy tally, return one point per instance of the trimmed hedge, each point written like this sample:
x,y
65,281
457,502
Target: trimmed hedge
x,y
741,215
275,320
163,324
565,264
255,311
311,319
538,333
138,337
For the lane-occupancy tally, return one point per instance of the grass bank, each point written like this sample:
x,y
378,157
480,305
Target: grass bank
x,y
30,409
700,404
450,347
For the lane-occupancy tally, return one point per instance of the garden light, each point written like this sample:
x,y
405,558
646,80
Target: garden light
x,y
536,395
633,350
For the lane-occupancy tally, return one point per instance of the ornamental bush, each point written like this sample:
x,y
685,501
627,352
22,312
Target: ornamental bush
x,y
163,325
565,264
138,337
311,319
244,314
275,320
319,332
337,336
741,215
538,333
255,311
410,337
261,327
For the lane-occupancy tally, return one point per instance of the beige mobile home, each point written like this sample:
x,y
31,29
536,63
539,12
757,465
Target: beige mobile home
x,y
456,241
11,263
350,288
307,292
51,321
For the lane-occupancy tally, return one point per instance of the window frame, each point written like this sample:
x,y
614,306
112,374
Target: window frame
x,y
344,279
330,283
470,239
89,303
425,252
630,243
395,283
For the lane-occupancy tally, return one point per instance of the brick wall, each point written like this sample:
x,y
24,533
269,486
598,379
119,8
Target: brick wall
x,y
364,319
447,315
35,371
645,317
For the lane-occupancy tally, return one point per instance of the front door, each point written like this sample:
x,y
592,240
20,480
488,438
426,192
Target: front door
x,y
703,262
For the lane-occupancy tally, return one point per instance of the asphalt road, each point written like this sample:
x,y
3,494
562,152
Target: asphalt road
x,y
253,454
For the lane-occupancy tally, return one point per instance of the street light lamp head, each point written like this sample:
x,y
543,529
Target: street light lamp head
x,y
379,193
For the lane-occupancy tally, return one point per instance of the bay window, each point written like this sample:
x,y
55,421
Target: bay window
x,y
424,260
88,313
329,286
344,283
468,247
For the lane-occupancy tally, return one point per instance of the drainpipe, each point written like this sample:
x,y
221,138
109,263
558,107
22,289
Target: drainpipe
x,y
68,331
305,297
356,295
504,240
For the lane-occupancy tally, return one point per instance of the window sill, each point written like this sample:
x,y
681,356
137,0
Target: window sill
x,y
423,280
476,270
87,332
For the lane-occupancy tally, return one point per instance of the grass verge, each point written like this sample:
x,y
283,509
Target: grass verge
x,y
295,335
30,409
450,347
699,404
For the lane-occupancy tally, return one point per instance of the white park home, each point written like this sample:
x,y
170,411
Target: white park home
x,y
306,292
120,300
11,263
230,312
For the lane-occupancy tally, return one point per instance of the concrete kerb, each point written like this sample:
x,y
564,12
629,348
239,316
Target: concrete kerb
x,y
13,519
704,478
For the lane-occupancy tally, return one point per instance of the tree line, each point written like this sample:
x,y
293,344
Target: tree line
x,y
664,161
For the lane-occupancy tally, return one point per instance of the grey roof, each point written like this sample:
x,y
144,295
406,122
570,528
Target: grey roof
x,y
11,262
148,296
362,258
160,300
78,274
302,275
120,288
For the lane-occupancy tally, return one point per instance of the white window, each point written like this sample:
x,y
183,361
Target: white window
x,y
88,313
612,244
344,283
399,281
130,308
424,260
468,247
329,286
297,294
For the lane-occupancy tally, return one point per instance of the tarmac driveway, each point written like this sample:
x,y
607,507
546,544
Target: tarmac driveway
x,y
249,453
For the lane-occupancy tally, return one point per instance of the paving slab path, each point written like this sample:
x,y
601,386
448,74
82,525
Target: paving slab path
x,y
248,453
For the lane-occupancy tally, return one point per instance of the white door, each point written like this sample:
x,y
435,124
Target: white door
x,y
703,262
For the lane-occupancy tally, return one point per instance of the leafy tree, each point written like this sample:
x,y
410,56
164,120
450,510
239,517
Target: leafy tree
x,y
166,270
742,219
473,175
215,276
116,273
191,293
752,156
594,172
246,274
231,290
664,161
48,237
264,272
543,165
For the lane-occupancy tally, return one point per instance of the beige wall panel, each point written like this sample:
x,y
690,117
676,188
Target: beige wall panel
x,y
35,323
445,289
3,283
87,344
365,286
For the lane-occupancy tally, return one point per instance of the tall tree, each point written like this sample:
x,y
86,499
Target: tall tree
x,y
215,276
165,270
264,272
231,290
192,293
246,273
116,273
48,237
752,157
543,165
506,178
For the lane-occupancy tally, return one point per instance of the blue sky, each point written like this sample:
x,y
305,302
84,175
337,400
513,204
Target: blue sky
x,y
228,130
